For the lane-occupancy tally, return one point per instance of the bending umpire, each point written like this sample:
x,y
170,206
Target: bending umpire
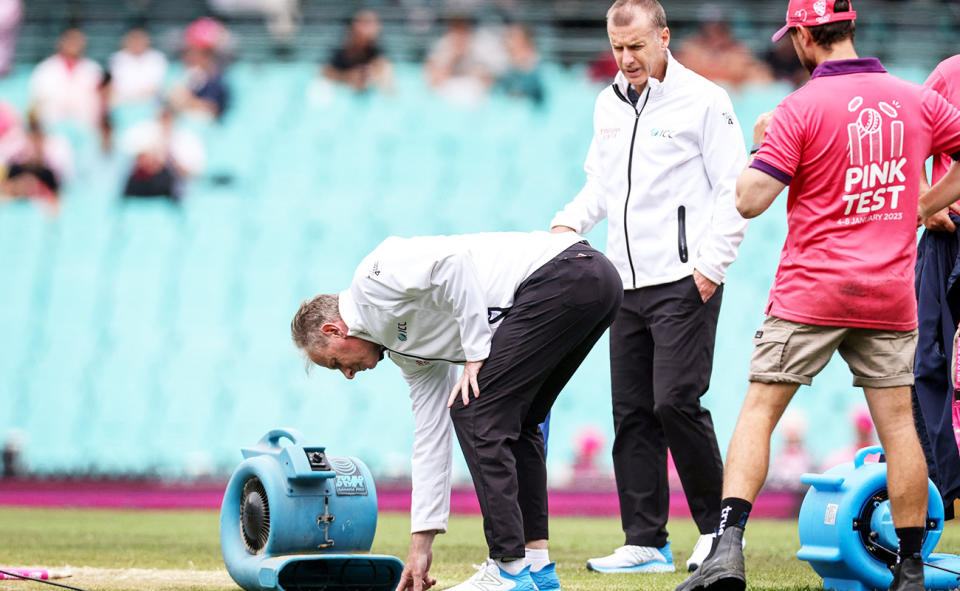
x,y
519,312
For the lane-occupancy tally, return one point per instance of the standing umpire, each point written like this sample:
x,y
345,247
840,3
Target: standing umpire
x,y
662,168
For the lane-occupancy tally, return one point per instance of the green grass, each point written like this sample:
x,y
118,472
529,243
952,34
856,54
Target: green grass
x,y
188,541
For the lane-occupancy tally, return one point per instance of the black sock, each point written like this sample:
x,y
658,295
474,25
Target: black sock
x,y
911,541
733,513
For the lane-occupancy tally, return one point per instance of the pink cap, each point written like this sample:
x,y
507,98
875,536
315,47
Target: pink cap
x,y
204,33
813,13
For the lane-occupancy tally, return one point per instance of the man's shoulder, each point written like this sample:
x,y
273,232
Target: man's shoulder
x,y
949,67
694,84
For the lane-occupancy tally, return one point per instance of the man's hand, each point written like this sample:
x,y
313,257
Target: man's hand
x,y
561,229
468,380
760,127
704,286
416,572
940,221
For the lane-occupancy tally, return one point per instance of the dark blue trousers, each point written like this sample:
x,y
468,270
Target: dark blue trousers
x,y
938,310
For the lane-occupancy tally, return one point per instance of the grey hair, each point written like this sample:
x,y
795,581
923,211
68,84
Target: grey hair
x,y
314,313
621,17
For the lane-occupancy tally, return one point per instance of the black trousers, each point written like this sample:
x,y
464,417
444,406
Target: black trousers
x,y
558,314
661,356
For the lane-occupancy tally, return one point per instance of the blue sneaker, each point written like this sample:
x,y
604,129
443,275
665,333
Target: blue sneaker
x,y
635,559
546,579
490,577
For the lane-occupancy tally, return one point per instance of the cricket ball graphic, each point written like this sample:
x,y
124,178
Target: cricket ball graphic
x,y
868,122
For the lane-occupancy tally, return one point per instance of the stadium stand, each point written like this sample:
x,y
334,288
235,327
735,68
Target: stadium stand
x,y
149,338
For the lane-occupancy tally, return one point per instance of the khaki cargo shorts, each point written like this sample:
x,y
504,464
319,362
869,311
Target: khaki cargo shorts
x,y
788,352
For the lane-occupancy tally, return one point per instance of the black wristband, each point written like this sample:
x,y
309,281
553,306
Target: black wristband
x,y
755,148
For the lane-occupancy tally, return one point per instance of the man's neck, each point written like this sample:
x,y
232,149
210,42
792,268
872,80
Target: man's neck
x,y
658,75
838,51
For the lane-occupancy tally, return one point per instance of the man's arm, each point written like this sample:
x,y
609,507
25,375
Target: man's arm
x,y
757,189
590,204
724,155
431,465
942,194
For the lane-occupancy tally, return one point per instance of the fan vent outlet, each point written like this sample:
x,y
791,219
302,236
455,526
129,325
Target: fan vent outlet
x,y
254,516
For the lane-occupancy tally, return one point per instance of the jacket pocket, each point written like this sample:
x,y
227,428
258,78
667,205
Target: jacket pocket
x,y
682,233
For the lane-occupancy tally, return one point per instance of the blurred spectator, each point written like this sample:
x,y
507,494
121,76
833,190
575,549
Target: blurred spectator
x,y
282,16
137,71
13,138
66,85
39,169
12,455
588,443
522,76
714,53
360,62
464,62
209,33
865,437
164,157
11,12
203,90
603,68
792,460
784,65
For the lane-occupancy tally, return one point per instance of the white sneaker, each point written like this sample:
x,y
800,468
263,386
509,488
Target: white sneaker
x,y
635,559
701,549
490,577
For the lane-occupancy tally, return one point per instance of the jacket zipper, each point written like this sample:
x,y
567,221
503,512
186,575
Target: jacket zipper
x,y
626,203
682,231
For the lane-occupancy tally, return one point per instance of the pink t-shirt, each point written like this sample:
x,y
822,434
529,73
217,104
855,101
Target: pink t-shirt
x,y
945,79
851,144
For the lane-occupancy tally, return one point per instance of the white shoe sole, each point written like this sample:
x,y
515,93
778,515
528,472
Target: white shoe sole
x,y
650,567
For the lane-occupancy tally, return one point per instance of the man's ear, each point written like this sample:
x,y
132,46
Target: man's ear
x,y
333,330
665,38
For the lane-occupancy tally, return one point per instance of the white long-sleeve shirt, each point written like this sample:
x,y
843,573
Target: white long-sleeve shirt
x,y
435,302
664,175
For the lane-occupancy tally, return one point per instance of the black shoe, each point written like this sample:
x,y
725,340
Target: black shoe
x,y
908,574
723,569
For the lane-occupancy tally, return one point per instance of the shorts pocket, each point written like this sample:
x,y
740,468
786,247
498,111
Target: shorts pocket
x,y
769,343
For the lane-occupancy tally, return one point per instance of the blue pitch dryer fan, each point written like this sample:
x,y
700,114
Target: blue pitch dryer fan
x,y
295,519
847,533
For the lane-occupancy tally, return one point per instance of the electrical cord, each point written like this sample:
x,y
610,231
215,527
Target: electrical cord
x,y
892,553
44,581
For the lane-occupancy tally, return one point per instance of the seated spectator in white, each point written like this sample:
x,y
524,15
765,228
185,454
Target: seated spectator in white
x,y
203,90
522,76
40,168
165,157
463,64
11,12
66,85
360,62
137,71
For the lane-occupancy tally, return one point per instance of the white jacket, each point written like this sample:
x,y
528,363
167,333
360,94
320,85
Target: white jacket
x,y
664,174
434,302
